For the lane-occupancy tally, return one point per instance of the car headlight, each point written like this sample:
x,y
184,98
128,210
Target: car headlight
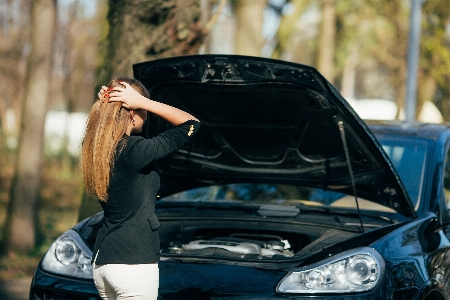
x,y
356,270
70,256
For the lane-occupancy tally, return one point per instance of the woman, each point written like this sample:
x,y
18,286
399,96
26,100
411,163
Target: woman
x,y
119,170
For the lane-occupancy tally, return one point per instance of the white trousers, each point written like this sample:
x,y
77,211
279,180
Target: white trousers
x,y
120,281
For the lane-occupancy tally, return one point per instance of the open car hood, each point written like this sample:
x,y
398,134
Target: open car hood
x,y
267,120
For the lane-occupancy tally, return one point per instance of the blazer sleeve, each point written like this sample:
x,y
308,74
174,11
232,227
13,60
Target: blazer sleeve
x,y
141,152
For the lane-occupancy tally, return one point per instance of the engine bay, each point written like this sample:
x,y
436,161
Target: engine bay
x,y
235,247
231,242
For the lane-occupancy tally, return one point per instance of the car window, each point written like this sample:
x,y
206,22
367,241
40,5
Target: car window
x,y
447,178
408,158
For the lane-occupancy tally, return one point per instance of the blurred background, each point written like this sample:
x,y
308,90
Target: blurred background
x,y
55,54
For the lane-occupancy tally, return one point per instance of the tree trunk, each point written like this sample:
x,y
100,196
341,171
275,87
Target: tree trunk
x,y
24,193
288,26
205,7
141,30
14,37
325,61
249,15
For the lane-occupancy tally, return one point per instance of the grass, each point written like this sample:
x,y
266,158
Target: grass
x,y
19,265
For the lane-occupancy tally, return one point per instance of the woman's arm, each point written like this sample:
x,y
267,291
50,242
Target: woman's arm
x,y
133,100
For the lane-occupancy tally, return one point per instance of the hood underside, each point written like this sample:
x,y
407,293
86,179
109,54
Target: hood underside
x,y
266,120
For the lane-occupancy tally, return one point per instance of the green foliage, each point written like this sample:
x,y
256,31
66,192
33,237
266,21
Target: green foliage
x,y
376,34
435,48
435,52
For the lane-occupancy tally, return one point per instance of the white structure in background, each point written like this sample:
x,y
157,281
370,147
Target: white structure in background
x,y
381,109
61,126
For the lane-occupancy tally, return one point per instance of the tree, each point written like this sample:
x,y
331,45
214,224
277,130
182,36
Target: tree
x,y
250,19
379,31
14,38
326,51
322,54
288,27
21,217
372,47
434,69
141,30
393,35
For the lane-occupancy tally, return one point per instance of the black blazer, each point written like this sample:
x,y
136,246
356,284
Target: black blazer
x,y
129,231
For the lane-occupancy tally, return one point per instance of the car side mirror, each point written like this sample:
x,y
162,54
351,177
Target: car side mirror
x,y
429,236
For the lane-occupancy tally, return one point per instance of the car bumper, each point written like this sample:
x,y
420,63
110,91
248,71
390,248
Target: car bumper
x,y
49,286
53,287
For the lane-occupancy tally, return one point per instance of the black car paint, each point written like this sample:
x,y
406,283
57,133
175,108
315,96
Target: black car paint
x,y
414,268
409,268
415,248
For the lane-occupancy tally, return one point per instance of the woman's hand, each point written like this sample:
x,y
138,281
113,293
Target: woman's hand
x,y
130,98
103,94
133,100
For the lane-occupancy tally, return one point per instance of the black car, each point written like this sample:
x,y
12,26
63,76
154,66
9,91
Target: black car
x,y
284,193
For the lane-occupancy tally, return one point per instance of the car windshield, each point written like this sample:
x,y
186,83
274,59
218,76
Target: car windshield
x,y
272,195
407,157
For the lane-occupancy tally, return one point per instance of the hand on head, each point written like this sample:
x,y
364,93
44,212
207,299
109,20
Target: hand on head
x,y
130,98
132,95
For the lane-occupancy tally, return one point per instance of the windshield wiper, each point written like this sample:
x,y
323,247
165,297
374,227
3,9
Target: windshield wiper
x,y
208,204
273,210
266,210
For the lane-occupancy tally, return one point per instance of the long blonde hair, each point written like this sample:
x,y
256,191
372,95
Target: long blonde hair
x,y
106,125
